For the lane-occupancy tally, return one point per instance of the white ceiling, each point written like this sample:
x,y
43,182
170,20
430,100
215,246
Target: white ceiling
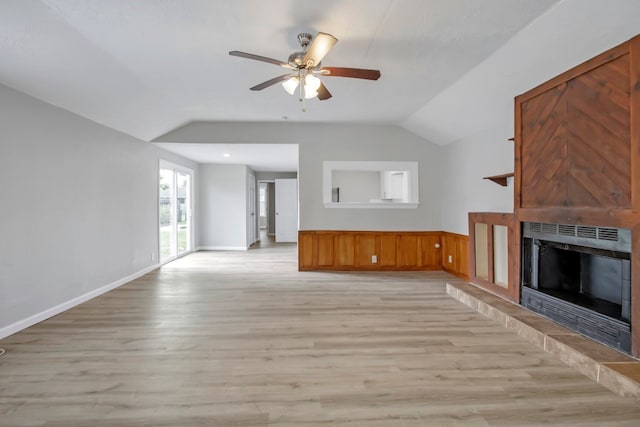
x,y
148,67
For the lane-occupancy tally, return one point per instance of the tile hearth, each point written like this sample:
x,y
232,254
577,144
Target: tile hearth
x,y
610,368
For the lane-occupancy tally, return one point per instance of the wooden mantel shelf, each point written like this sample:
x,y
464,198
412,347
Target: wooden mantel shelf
x,y
500,179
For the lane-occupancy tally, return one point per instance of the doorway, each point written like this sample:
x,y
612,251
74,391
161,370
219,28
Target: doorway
x,y
175,234
263,206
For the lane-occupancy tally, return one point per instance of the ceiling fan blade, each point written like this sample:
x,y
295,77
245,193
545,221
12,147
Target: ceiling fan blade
x,y
323,92
260,58
356,73
320,46
271,82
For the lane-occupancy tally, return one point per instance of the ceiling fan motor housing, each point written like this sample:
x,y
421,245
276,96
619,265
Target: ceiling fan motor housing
x,y
296,58
304,39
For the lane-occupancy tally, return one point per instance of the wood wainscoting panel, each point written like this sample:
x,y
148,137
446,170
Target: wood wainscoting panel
x,y
366,247
393,250
387,257
462,248
407,250
455,254
430,254
325,249
306,251
346,252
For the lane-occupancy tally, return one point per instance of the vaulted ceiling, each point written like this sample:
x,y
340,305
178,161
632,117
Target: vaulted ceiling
x,y
148,67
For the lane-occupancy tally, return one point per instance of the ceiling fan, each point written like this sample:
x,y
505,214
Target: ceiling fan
x,y
305,65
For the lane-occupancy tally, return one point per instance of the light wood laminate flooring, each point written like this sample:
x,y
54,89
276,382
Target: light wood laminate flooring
x,y
244,339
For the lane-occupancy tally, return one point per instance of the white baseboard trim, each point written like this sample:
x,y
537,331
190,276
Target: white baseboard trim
x,y
222,248
50,312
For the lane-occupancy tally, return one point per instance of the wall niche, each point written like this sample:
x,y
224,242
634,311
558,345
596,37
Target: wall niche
x,y
370,184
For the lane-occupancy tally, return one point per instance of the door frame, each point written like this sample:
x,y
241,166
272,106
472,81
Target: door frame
x,y
166,164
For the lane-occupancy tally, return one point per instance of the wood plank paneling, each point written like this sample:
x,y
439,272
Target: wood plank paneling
x,y
634,112
544,149
394,250
634,148
598,124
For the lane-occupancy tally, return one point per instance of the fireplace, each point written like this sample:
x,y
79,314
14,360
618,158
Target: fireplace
x,y
580,277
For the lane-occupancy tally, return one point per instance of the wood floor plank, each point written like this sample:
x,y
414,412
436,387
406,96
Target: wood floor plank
x,y
244,339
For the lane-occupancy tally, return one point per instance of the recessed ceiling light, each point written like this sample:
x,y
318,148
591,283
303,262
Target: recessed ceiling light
x,y
227,155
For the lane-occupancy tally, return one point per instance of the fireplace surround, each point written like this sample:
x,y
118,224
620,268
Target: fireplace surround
x,y
580,277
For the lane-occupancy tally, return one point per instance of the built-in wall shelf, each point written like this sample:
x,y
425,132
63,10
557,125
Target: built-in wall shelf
x,y
500,179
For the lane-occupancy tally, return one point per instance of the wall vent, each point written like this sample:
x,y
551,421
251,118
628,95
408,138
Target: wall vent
x,y
610,234
603,237
587,232
567,230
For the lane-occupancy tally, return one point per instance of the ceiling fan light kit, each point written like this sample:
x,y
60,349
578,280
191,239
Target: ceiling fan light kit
x,y
305,64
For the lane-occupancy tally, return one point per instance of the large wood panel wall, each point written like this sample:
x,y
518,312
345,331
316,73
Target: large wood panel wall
x,y
577,153
395,250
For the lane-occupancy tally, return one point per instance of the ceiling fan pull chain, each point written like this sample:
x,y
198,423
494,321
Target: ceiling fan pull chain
x,y
303,95
300,85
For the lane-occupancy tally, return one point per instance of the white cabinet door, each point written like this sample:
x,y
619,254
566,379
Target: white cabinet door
x,y
393,185
286,210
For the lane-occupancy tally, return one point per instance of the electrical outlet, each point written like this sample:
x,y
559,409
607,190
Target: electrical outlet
x,y
374,259
450,259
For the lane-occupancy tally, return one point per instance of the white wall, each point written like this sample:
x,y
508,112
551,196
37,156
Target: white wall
x,y
79,208
223,206
370,143
476,112
318,142
463,190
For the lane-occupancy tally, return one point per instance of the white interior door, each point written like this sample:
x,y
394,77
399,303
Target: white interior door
x,y
286,210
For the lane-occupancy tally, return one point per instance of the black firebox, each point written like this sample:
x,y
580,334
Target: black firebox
x,y
580,277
